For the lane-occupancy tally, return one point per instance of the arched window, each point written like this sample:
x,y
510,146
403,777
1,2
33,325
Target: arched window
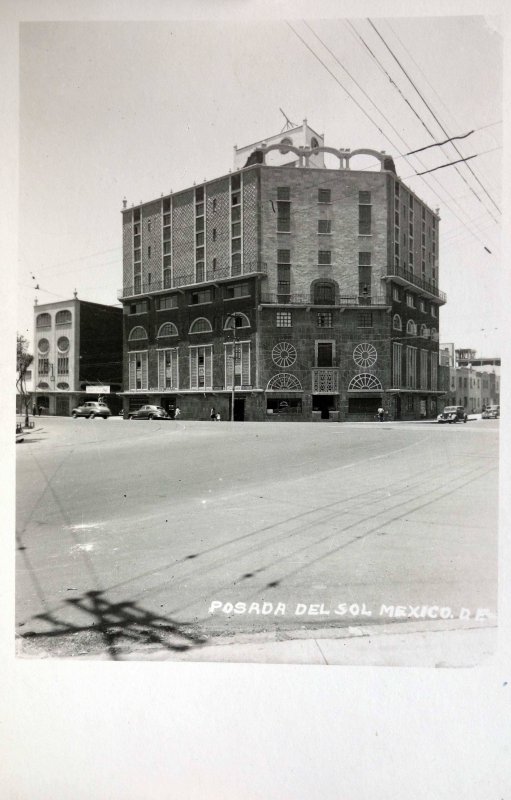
x,y
43,385
200,325
396,323
43,321
137,333
63,385
324,293
411,327
63,344
43,345
63,317
237,320
434,335
167,329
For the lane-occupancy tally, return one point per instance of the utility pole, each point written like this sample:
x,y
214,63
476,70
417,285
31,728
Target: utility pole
x,y
234,343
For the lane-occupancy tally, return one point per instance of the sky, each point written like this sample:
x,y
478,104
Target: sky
x,y
135,109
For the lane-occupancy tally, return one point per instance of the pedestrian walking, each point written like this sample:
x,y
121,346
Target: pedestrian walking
x,y
39,409
177,413
218,417
212,415
381,414
34,410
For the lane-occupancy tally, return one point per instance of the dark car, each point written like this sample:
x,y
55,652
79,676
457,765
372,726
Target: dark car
x,y
91,409
452,414
492,412
149,412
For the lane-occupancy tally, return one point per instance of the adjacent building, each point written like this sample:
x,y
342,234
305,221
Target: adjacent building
x,y
474,381
302,290
77,354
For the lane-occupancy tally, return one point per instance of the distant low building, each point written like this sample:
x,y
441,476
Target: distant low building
x,y
474,382
77,355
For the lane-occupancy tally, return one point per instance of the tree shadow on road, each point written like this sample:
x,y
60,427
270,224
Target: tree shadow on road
x,y
114,627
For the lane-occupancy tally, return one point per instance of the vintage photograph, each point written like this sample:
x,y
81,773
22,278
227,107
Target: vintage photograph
x,y
259,335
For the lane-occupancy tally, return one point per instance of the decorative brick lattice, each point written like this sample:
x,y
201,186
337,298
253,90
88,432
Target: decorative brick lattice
x,y
325,381
250,216
183,245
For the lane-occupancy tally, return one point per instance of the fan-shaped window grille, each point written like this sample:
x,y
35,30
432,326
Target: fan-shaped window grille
x,y
237,320
201,325
63,317
365,382
62,385
43,385
284,354
365,355
137,333
63,343
43,321
284,382
411,327
396,323
43,345
424,331
167,329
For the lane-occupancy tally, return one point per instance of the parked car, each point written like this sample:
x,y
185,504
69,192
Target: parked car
x,y
452,414
149,412
91,409
492,412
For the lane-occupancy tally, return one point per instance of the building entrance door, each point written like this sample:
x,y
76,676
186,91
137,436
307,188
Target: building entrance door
x,y
397,406
62,406
239,409
324,403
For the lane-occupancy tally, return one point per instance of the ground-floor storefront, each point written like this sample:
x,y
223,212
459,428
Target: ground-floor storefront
x,y
61,404
254,406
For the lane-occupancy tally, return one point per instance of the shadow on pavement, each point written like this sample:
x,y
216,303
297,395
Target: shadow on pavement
x,y
113,627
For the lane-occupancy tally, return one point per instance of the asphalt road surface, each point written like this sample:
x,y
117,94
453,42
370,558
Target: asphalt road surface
x,y
134,536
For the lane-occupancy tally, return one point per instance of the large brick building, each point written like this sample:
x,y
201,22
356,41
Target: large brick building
x,y
327,279
77,354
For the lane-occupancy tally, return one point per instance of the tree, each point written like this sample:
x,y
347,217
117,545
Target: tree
x,y
23,361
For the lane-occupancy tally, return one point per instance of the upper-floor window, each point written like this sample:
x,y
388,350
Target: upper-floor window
x,y
167,329
324,256
203,296
324,226
164,303
237,290
396,323
324,196
43,321
410,300
411,327
324,293
324,319
137,333
395,294
364,213
63,317
433,310
284,319
201,325
365,319
63,344
43,345
283,193
138,308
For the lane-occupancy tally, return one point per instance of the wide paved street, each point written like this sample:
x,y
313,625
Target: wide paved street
x,y
141,536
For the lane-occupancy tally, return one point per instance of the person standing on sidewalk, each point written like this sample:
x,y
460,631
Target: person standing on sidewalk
x,y
381,414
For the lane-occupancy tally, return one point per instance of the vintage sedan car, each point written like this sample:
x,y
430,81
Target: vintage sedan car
x,y
149,412
452,414
91,409
492,412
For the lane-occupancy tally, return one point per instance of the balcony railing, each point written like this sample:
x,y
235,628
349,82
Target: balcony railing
x,y
409,278
193,279
306,299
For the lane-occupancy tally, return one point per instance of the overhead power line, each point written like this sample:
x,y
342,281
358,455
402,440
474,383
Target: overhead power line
x,y
393,145
442,166
439,144
435,118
